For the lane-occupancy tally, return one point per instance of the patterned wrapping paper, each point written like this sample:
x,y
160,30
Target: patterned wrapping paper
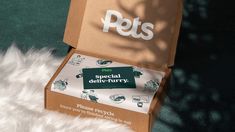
x,y
70,82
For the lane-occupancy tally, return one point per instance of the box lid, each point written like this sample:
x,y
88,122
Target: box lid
x,y
142,32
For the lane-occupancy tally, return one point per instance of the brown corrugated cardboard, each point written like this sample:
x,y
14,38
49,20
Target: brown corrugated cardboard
x,y
142,33
85,29
71,105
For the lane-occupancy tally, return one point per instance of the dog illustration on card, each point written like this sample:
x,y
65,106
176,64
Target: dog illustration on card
x,y
89,95
76,60
60,84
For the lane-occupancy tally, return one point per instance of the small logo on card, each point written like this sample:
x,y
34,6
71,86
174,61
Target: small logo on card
x,y
126,27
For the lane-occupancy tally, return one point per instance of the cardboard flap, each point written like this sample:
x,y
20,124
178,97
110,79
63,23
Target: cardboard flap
x,y
138,31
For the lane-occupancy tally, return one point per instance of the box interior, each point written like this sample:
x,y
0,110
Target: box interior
x,y
69,81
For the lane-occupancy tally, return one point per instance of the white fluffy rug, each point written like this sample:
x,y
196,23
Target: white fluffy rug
x,y
22,81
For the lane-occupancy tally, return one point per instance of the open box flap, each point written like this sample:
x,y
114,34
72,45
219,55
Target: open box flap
x,y
143,32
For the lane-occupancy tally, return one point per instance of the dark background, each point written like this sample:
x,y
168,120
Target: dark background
x,y
201,96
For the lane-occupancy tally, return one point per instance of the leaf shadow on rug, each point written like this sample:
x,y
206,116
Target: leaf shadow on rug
x,y
22,81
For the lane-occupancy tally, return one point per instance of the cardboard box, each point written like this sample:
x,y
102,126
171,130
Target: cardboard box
x,y
140,33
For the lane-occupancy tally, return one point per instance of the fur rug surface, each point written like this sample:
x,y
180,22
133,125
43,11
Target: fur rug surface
x,y
22,81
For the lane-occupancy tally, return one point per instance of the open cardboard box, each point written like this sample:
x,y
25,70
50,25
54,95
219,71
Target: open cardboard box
x,y
141,33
